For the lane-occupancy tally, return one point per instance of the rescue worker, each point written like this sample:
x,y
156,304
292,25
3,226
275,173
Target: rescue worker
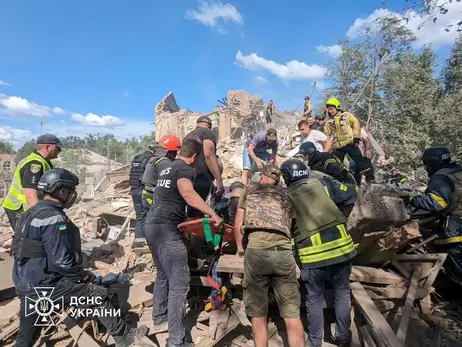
x,y
173,192
227,206
397,177
326,162
47,253
307,107
265,211
167,149
269,114
319,139
345,131
323,245
23,193
207,166
256,153
320,122
136,172
444,197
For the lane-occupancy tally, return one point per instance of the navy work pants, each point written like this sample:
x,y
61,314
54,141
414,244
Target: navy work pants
x,y
313,280
364,165
140,212
172,282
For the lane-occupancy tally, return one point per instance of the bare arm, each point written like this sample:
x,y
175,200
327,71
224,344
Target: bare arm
x,y
31,196
238,222
252,154
212,161
328,145
193,199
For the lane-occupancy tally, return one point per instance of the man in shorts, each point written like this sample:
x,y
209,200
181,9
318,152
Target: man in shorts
x,y
268,256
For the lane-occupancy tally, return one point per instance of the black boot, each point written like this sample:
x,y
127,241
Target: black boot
x,y
131,336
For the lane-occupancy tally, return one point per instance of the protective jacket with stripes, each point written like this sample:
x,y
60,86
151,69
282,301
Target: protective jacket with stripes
x,y
47,225
321,238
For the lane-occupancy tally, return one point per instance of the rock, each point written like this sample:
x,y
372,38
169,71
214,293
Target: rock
x,y
243,104
106,248
7,244
96,252
111,258
117,250
167,104
144,277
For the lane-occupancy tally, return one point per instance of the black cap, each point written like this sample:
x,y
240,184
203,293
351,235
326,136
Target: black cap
x,y
49,139
204,119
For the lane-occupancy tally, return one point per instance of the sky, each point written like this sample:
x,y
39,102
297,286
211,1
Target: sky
x,y
101,66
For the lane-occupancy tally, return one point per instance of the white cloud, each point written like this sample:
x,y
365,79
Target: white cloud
x,y
422,26
59,110
334,50
292,70
98,121
260,80
3,83
15,136
16,106
210,12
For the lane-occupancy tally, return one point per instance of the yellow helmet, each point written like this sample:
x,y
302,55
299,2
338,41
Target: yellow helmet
x,y
333,102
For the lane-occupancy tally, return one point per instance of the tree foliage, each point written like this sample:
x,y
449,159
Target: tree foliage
x,y
6,147
402,96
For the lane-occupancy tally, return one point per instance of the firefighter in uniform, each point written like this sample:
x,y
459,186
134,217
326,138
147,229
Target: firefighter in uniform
x,y
136,172
444,196
326,162
47,253
23,194
268,255
323,245
345,131
167,149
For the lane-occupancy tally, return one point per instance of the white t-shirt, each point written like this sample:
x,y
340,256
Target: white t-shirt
x,y
317,138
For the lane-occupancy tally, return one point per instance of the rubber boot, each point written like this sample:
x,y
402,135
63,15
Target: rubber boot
x,y
131,336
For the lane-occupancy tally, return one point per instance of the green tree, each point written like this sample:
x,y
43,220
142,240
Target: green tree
x,y
6,147
452,71
25,149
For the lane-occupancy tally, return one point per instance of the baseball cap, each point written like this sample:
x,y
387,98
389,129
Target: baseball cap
x,y
204,119
49,139
272,171
272,134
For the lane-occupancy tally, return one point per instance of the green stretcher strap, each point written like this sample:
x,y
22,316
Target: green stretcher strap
x,y
207,230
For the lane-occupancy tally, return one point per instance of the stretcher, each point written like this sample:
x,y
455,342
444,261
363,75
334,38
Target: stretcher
x,y
203,228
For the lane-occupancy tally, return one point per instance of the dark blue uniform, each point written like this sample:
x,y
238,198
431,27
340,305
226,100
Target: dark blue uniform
x,y
443,195
59,267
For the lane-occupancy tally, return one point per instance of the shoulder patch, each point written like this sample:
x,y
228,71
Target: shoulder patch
x,y
62,227
35,168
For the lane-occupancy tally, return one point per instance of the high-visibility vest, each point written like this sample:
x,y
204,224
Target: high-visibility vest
x,y
16,197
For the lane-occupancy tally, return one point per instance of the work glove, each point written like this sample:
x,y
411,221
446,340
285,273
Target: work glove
x,y
356,141
88,277
407,199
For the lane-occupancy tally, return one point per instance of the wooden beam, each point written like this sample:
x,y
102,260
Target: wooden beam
x,y
384,335
404,322
79,336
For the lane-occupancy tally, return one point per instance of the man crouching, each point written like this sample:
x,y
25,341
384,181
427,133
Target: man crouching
x,y
268,256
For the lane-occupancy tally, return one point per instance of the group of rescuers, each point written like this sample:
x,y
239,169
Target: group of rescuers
x,y
276,226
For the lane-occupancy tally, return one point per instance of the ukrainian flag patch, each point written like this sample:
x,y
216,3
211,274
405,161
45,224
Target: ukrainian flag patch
x,y
62,227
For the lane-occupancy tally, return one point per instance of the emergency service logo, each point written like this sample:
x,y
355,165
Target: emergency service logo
x,y
44,307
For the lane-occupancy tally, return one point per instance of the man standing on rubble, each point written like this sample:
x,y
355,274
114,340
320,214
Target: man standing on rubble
x,y
269,114
307,107
265,211
173,192
167,149
443,197
23,193
323,245
207,166
319,139
320,122
136,172
345,131
47,253
326,162
256,154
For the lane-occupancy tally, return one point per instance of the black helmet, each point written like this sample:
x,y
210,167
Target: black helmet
x,y
320,116
307,148
55,179
293,170
436,156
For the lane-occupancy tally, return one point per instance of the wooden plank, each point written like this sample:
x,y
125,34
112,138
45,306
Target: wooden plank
x,y
207,341
373,275
79,336
368,341
218,319
379,293
382,332
238,308
404,322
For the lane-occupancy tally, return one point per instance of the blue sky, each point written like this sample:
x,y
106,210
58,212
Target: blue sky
x,y
101,66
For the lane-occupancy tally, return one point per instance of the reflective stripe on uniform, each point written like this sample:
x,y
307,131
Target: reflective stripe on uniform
x,y
455,239
328,255
439,200
16,196
36,222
